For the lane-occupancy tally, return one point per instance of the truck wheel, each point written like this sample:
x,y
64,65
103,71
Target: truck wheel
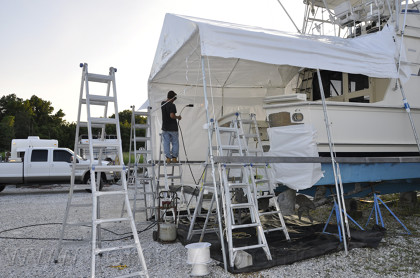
x,y
2,187
86,180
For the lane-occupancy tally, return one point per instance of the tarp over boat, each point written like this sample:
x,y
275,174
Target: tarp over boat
x,y
244,64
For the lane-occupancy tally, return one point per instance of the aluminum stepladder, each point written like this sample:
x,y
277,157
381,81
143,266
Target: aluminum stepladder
x,y
206,186
260,171
141,165
171,177
242,182
100,122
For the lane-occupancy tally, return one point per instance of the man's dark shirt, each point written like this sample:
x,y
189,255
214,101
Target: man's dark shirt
x,y
168,124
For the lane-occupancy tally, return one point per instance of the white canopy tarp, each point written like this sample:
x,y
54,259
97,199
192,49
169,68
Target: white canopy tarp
x,y
244,64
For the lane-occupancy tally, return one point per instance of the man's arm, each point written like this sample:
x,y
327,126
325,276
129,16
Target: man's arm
x,y
175,117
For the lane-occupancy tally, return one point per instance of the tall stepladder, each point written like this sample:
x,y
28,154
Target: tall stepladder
x,y
100,103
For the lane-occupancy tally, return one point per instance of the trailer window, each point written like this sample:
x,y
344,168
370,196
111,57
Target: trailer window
x,y
39,156
61,156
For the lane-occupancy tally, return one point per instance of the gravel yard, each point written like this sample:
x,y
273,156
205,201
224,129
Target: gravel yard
x,y
32,255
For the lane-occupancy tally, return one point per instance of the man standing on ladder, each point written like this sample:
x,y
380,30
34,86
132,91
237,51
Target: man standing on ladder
x,y
170,128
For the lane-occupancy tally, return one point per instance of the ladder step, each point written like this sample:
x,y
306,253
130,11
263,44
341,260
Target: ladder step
x,y
106,193
227,129
261,180
110,220
241,205
98,100
270,212
170,177
246,122
243,226
238,185
141,126
103,121
99,78
105,144
141,113
144,151
251,135
142,139
229,147
275,229
265,196
249,247
108,168
84,124
108,249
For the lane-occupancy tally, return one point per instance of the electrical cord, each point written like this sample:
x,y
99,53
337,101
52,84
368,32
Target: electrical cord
x,y
70,239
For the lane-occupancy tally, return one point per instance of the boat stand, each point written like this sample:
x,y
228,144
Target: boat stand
x,y
336,210
377,209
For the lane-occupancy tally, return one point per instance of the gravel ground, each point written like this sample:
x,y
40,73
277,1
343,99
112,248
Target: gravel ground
x,y
396,256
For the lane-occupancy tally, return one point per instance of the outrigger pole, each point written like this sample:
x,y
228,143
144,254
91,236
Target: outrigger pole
x,y
406,104
336,169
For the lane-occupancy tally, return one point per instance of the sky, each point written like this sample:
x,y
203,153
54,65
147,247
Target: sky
x,y
44,41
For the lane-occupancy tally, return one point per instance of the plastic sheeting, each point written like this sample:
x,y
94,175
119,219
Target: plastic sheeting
x,y
294,141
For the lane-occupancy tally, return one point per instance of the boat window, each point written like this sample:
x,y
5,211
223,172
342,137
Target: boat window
x,y
39,156
356,90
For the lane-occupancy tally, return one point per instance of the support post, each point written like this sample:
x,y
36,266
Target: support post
x,y
216,192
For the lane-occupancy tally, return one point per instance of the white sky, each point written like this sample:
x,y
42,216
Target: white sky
x,y
43,41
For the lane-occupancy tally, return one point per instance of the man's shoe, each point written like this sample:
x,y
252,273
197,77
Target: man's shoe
x,y
174,160
168,160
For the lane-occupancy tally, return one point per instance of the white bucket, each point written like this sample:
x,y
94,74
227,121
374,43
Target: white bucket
x,y
198,253
199,257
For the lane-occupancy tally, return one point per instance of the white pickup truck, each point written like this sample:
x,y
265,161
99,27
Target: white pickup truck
x,y
47,165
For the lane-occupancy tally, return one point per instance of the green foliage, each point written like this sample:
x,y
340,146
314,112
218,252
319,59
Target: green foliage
x,y
35,117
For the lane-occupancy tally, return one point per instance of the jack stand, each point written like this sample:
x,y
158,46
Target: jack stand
x,y
335,209
378,213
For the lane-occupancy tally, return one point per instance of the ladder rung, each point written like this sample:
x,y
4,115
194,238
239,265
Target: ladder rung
x,y
109,168
99,78
241,205
98,100
251,135
141,113
247,122
143,151
110,220
142,139
243,226
275,229
227,129
108,249
229,147
249,247
238,185
84,124
170,177
270,212
103,193
103,120
262,181
141,126
105,144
